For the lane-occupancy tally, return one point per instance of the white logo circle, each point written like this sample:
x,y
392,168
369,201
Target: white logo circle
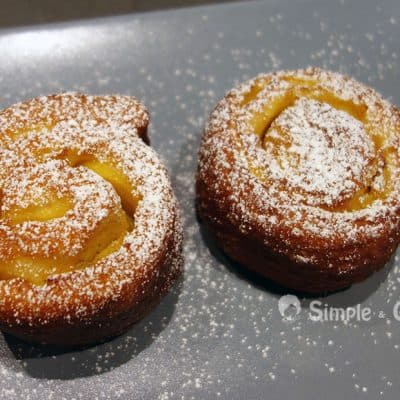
x,y
396,311
289,307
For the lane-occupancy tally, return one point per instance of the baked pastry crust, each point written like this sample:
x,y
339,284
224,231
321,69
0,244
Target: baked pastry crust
x,y
299,180
90,231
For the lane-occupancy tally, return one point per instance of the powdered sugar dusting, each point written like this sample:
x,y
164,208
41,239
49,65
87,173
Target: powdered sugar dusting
x,y
329,152
36,137
219,334
312,159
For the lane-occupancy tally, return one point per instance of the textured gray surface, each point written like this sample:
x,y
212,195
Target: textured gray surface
x,y
219,334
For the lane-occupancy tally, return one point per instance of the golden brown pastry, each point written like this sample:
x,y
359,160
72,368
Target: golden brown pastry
x,y
298,178
90,232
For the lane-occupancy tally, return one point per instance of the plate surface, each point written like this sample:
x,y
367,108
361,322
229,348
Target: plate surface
x,y
219,334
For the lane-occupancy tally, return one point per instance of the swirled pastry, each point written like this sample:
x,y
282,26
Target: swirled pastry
x,y
299,178
90,232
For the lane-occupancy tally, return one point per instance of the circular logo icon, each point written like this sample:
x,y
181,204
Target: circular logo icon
x,y
289,307
396,311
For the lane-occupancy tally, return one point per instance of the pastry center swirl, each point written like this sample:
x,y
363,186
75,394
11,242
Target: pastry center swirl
x,y
323,153
60,214
314,147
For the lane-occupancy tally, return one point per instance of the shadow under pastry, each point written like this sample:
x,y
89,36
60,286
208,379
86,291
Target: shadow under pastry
x,y
48,362
350,296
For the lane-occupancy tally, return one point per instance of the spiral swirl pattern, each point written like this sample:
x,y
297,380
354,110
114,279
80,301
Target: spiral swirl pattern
x,y
304,165
87,219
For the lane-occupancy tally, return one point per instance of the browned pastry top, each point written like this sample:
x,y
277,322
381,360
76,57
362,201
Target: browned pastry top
x,y
86,207
310,160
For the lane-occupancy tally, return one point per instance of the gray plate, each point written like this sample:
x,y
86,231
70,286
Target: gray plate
x,y
219,334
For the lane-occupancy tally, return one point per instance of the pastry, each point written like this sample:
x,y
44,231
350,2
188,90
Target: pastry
x,y
298,178
90,232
